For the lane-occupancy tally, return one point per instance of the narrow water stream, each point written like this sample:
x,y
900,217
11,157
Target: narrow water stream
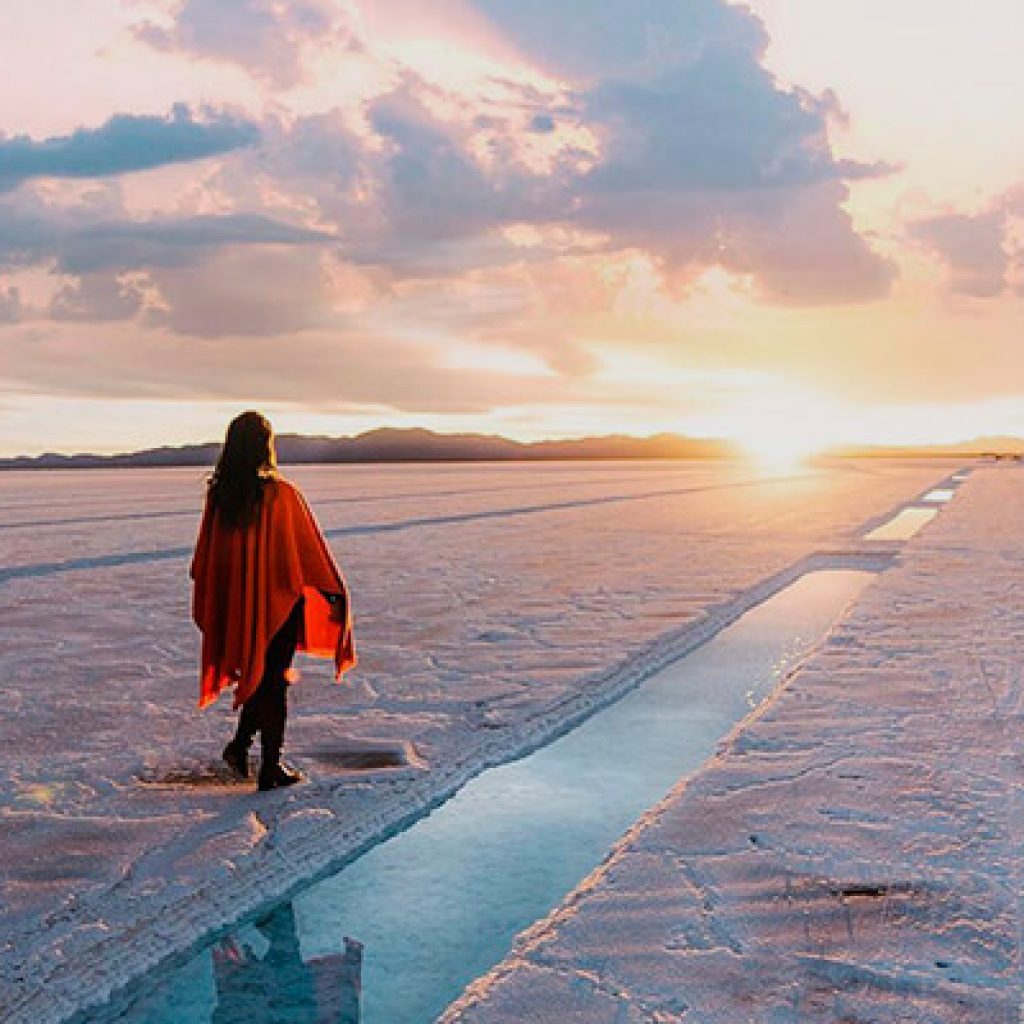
x,y
394,936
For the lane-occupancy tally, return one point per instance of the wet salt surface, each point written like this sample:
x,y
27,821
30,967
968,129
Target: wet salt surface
x,y
396,935
470,628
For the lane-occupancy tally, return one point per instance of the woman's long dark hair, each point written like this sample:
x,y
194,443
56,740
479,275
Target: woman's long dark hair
x,y
246,462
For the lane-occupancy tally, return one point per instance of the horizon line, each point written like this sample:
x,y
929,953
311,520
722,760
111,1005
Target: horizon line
x,y
986,445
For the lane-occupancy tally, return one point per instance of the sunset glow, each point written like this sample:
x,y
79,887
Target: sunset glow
x,y
781,427
780,439
526,218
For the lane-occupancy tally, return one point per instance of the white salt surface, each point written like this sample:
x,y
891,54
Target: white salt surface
x,y
493,604
854,853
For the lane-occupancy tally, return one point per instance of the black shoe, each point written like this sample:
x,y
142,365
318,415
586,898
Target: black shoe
x,y
278,777
237,759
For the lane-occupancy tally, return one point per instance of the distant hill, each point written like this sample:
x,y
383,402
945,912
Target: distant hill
x,y
417,445
979,447
405,445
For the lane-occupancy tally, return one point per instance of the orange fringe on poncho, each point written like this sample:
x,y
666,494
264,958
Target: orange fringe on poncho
x,y
247,581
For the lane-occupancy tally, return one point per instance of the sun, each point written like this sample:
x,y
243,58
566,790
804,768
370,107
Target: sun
x,y
780,451
783,428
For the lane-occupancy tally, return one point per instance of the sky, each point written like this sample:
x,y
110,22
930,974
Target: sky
x,y
789,222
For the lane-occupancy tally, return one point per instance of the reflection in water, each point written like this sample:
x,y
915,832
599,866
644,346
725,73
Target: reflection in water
x,y
902,526
264,978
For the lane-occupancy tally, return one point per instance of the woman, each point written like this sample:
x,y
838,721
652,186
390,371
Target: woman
x,y
266,585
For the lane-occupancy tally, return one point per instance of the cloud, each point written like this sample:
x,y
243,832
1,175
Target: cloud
x,y
429,186
125,142
265,37
972,247
258,292
669,136
411,192
11,307
97,297
797,243
426,174
207,275
622,39
201,275
175,241
74,244
718,123
341,370
703,155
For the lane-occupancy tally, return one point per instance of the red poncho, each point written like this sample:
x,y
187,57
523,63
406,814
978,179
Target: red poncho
x,y
247,581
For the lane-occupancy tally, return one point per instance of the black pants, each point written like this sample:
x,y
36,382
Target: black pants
x,y
266,710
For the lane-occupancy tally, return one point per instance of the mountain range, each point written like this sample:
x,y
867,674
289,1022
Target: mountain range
x,y
389,444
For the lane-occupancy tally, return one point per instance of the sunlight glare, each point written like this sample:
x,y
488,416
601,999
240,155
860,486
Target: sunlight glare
x,y
783,429
779,451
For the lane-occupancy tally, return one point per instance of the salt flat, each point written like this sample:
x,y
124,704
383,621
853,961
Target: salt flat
x,y
855,851
489,599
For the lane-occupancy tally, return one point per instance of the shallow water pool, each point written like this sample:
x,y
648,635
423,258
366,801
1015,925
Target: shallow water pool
x,y
903,525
